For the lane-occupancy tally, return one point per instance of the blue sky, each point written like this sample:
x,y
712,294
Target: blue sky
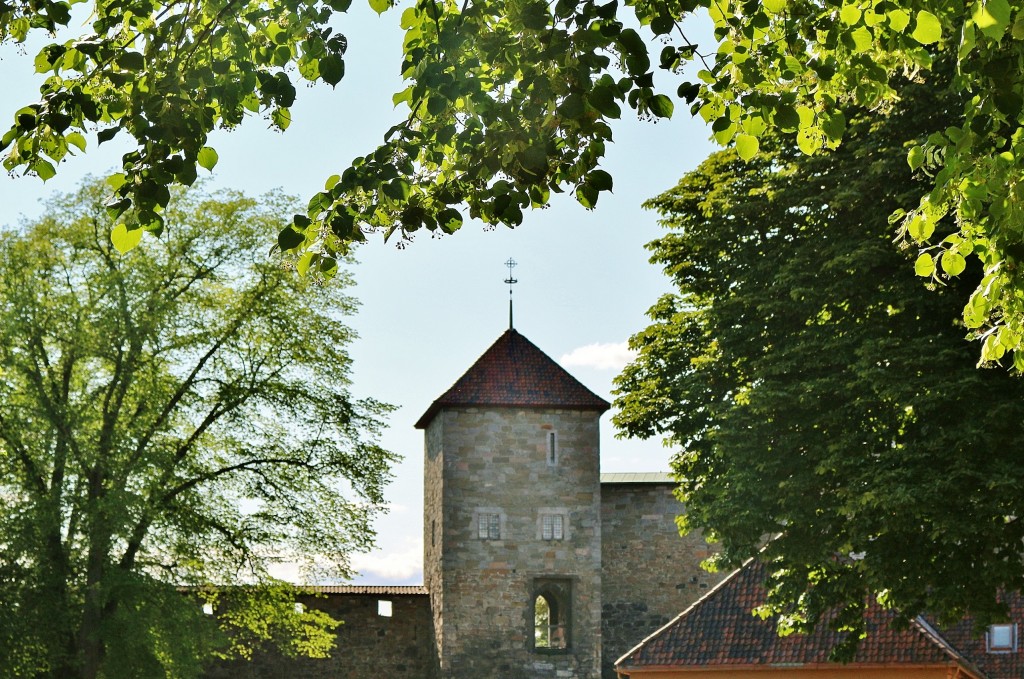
x,y
429,309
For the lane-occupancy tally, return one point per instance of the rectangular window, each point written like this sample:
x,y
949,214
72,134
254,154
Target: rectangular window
x,y
552,448
1001,638
552,527
489,526
384,608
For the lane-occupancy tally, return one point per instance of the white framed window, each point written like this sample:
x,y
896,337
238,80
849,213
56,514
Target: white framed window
x,y
1001,638
552,527
552,448
488,526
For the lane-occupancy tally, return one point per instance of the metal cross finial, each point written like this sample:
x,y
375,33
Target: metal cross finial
x,y
511,263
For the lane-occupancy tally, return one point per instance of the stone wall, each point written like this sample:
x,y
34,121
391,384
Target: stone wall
x,y
495,461
434,525
370,646
650,572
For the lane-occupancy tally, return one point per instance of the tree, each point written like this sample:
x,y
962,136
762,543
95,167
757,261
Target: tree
x,y
511,100
815,397
178,417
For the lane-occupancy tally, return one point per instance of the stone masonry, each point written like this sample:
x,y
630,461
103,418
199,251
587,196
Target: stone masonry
x,y
649,573
495,461
369,645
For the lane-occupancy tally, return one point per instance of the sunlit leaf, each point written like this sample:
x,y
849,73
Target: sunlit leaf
x,y
125,239
207,158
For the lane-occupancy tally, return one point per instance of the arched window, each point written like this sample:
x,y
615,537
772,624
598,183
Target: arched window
x,y
550,617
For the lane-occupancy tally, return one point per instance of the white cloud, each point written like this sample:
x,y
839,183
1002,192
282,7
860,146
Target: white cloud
x,y
391,568
599,356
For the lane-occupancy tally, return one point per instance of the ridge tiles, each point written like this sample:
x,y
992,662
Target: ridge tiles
x,y
513,372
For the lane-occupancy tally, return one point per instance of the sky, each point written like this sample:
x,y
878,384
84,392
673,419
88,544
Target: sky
x,y
431,307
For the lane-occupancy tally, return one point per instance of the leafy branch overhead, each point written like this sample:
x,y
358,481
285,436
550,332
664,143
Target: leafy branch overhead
x,y
509,101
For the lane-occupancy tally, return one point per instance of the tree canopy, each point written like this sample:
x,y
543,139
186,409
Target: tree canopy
x,y
178,417
511,100
813,394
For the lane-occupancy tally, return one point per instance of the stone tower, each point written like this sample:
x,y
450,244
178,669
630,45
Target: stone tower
x,y
512,519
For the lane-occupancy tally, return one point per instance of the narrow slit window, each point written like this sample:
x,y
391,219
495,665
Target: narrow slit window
x,y
552,448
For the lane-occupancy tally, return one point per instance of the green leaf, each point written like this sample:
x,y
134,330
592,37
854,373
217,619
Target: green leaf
x,y
834,125
397,189
915,157
116,181
661,106
44,169
632,42
863,39
746,146
849,15
924,265
920,228
898,20
776,6
124,239
207,158
290,239
809,140
379,6
953,262
600,180
302,264
587,196
332,68
131,61
786,118
992,17
928,30
76,139
282,117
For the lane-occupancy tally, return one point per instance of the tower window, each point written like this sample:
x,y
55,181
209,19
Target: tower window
x,y
552,526
384,608
551,616
552,448
488,526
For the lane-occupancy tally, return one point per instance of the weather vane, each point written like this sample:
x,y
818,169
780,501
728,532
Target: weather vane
x,y
511,263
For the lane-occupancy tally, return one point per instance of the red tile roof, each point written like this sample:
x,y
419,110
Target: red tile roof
x,y
389,590
515,373
719,631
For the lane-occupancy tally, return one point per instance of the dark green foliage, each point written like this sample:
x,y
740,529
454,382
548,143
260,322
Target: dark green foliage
x,y
814,394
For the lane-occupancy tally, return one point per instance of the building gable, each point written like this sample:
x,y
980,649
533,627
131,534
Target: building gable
x,y
513,372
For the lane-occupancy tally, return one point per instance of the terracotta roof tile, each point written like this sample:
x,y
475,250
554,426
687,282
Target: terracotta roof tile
x,y
389,590
719,630
513,372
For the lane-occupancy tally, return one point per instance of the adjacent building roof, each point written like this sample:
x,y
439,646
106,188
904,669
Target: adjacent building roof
x,y
720,632
513,372
387,590
638,477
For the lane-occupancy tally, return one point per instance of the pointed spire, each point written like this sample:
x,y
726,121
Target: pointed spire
x,y
510,281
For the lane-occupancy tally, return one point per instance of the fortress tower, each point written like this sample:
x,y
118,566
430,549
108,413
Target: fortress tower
x,y
512,519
